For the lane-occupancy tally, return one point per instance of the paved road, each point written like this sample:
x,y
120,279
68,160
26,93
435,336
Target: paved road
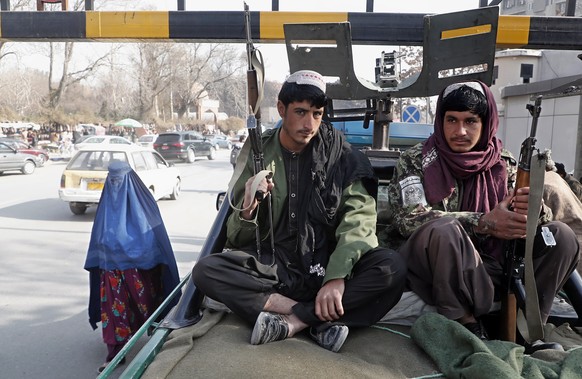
x,y
43,287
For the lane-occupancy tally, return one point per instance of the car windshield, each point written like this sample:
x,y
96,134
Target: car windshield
x,y
5,147
94,140
16,144
146,138
95,160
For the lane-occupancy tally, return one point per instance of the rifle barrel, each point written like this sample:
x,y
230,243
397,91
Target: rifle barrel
x,y
250,46
535,111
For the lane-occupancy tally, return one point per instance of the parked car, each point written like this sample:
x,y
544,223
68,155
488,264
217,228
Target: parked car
x,y
84,177
147,140
13,160
102,140
24,147
220,141
184,146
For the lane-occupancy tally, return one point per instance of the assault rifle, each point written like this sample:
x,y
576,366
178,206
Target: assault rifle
x,y
515,265
254,89
255,80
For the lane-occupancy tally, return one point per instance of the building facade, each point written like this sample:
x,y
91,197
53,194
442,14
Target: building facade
x,y
521,75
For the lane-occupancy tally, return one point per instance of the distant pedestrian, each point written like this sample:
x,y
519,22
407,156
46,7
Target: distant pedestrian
x,y
33,138
236,148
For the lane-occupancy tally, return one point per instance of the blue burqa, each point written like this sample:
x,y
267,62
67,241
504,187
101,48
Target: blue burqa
x,y
128,232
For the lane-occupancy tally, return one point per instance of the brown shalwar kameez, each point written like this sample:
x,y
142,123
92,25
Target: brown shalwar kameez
x,y
451,274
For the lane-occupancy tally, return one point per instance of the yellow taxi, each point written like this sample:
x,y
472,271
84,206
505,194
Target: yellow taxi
x,y
83,179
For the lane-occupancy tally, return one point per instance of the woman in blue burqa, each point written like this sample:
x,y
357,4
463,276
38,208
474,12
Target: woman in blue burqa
x,y
130,260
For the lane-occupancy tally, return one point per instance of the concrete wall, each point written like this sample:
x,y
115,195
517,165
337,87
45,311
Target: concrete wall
x,y
560,118
557,128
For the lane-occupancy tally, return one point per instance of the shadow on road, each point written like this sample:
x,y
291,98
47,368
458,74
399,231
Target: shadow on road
x,y
67,348
49,209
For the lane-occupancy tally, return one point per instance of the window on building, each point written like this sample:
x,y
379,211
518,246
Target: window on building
x,y
495,74
526,72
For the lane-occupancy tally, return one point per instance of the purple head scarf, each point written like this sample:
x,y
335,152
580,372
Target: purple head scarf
x,y
482,171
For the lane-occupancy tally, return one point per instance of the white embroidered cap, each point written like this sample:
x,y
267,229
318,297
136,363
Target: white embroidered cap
x,y
307,77
476,86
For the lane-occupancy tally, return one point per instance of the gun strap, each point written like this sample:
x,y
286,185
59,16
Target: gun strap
x,y
533,329
236,175
259,67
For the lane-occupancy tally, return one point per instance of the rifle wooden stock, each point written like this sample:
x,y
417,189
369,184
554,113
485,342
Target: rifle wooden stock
x,y
513,260
509,317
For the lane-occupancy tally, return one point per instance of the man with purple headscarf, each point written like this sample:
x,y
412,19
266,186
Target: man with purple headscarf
x,y
453,199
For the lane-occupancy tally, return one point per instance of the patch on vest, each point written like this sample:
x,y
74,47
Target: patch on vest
x,y
317,269
412,191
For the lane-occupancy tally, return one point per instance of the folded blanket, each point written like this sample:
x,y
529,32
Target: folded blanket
x,y
460,354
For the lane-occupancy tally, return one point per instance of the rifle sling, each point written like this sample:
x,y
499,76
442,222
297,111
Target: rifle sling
x,y
530,326
259,67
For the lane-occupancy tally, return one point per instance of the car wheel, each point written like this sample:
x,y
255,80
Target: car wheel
x,y
28,168
212,154
176,191
191,156
77,208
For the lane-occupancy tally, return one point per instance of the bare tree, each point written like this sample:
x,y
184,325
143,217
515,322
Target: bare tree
x,y
232,95
61,73
153,68
115,87
199,67
66,77
22,101
4,46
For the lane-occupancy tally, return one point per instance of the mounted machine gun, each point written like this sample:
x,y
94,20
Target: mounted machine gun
x,y
456,48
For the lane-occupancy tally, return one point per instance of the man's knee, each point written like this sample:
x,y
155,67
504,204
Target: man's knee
x,y
200,271
442,232
445,226
391,265
565,239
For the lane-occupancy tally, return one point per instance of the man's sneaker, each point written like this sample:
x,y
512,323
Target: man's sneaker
x,y
269,327
331,338
477,329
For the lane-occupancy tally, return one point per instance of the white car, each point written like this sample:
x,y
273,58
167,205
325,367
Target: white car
x,y
102,140
147,140
84,177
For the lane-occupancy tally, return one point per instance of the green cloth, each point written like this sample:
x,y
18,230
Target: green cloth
x,y
460,354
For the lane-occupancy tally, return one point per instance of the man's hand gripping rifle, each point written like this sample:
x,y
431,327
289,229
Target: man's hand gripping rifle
x,y
255,80
518,260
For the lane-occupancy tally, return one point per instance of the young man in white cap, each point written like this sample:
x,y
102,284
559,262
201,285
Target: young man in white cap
x,y
452,197
326,271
